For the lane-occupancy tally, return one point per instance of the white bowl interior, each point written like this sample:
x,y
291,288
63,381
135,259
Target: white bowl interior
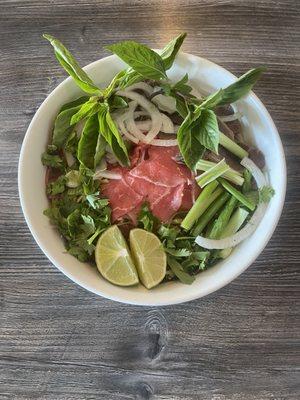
x,y
204,75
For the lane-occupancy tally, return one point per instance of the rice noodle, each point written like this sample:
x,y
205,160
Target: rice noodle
x,y
232,241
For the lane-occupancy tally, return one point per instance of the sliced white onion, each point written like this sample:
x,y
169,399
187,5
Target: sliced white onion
x,y
120,118
166,127
130,123
232,241
144,125
138,114
167,124
69,158
164,142
231,117
107,175
150,108
163,102
141,86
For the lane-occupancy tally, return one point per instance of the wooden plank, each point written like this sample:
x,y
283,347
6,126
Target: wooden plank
x,y
58,341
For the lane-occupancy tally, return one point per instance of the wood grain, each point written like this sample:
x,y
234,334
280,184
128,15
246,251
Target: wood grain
x,y
58,341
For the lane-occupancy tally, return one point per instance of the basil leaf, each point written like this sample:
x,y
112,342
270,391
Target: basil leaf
x,y
69,63
181,86
62,126
177,269
139,57
114,83
170,51
88,109
88,142
100,150
75,103
188,142
116,102
208,130
236,90
213,100
181,106
112,136
130,78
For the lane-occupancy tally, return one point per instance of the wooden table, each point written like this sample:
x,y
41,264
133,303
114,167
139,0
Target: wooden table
x,y
58,341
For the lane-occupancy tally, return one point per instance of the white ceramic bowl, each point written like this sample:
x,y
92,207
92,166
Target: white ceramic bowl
x,y
258,126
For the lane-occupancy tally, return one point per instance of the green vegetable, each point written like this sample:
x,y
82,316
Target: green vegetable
x,y
88,142
112,136
74,103
130,77
95,202
146,220
265,194
181,106
222,220
237,194
247,186
178,252
139,57
213,173
241,87
212,101
204,200
100,149
181,86
177,269
57,187
73,179
231,146
87,109
62,126
207,125
170,51
231,175
69,63
210,213
234,224
53,160
188,141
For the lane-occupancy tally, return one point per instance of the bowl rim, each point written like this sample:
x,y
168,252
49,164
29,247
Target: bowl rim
x,y
186,297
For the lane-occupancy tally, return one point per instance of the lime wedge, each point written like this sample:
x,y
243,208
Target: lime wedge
x,y
149,256
113,258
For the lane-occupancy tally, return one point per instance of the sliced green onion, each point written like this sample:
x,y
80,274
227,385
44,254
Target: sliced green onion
x,y
223,219
238,195
234,224
212,173
232,146
206,197
210,213
231,175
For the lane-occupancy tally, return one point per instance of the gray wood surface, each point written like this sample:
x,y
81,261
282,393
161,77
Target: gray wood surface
x,y
58,341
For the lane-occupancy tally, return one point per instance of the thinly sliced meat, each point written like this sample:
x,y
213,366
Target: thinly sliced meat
x,y
166,206
122,198
165,173
138,154
156,178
